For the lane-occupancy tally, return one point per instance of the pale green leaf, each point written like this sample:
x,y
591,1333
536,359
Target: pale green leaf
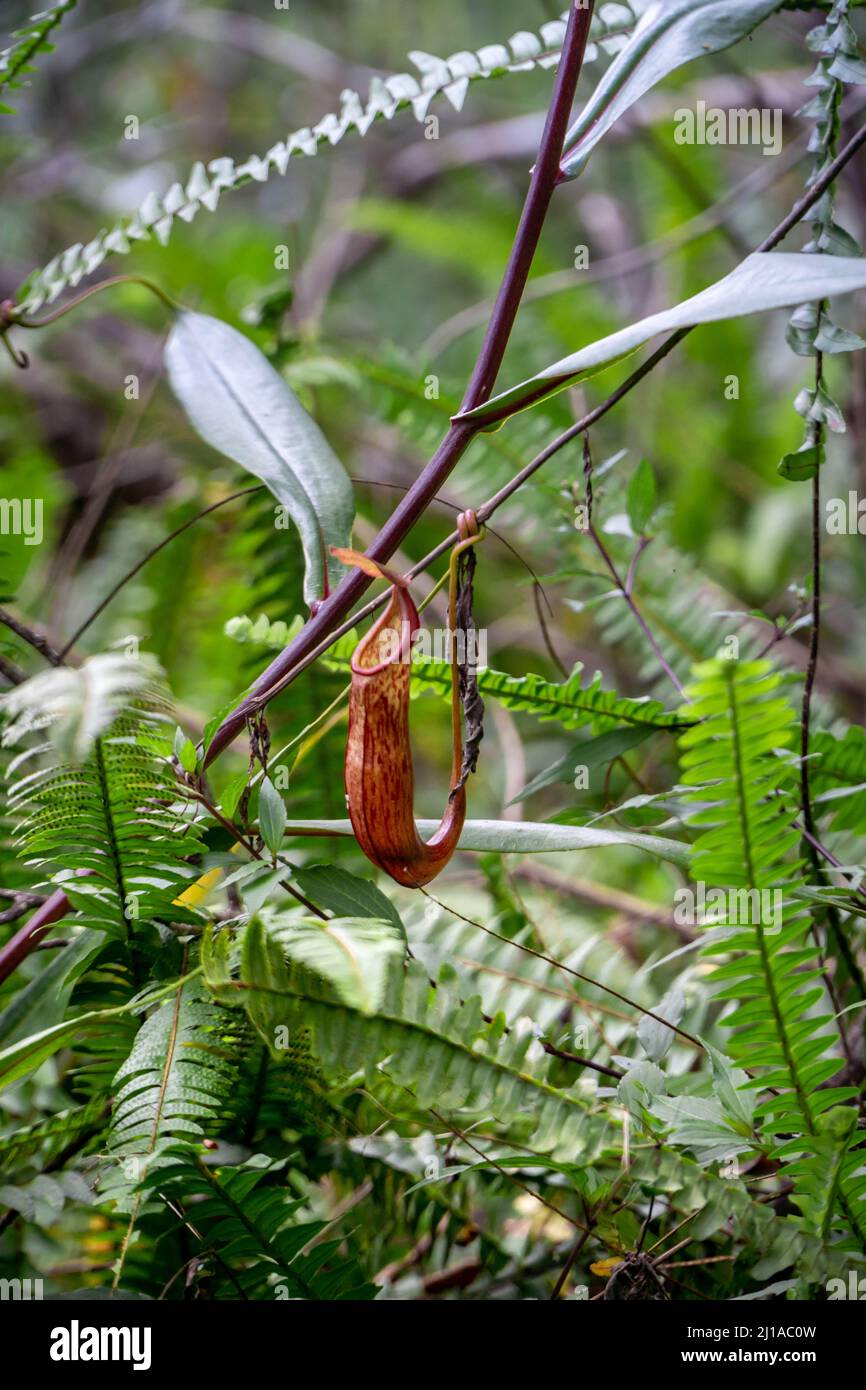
x,y
241,406
272,815
526,837
670,33
765,280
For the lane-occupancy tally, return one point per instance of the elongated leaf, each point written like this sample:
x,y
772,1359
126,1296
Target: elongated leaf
x,y
22,1057
272,815
593,752
641,497
43,999
764,280
525,837
345,894
243,408
670,33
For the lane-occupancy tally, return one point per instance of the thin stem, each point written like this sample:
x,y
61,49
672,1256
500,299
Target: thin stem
x,y
625,587
130,574
10,672
640,619
569,1264
558,965
13,320
543,180
309,643
505,1172
815,631
247,844
33,639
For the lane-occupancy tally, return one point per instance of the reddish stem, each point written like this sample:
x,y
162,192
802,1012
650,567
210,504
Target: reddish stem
x,y
543,181
28,937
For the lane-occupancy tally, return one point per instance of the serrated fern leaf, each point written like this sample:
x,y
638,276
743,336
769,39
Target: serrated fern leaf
x,y
45,1139
838,777
355,955
175,1084
270,1097
440,1049
570,703
256,1237
115,817
746,848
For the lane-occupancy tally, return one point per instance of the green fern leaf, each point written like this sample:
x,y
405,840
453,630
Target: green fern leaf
x,y
746,847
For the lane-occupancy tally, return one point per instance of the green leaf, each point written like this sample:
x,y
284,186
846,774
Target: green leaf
x,y
345,894
272,815
765,280
593,752
232,793
29,1053
641,497
699,1123
668,35
803,463
732,1088
654,1037
526,837
571,703
42,1001
174,1085
187,756
241,406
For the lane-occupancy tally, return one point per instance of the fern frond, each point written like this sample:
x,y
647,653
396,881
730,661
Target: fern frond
x,y
175,1084
400,399
747,842
439,1048
74,704
114,816
571,703
47,1138
685,611
255,1234
270,1097
838,777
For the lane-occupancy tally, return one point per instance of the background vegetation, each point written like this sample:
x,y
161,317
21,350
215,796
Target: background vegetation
x,y
482,1123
